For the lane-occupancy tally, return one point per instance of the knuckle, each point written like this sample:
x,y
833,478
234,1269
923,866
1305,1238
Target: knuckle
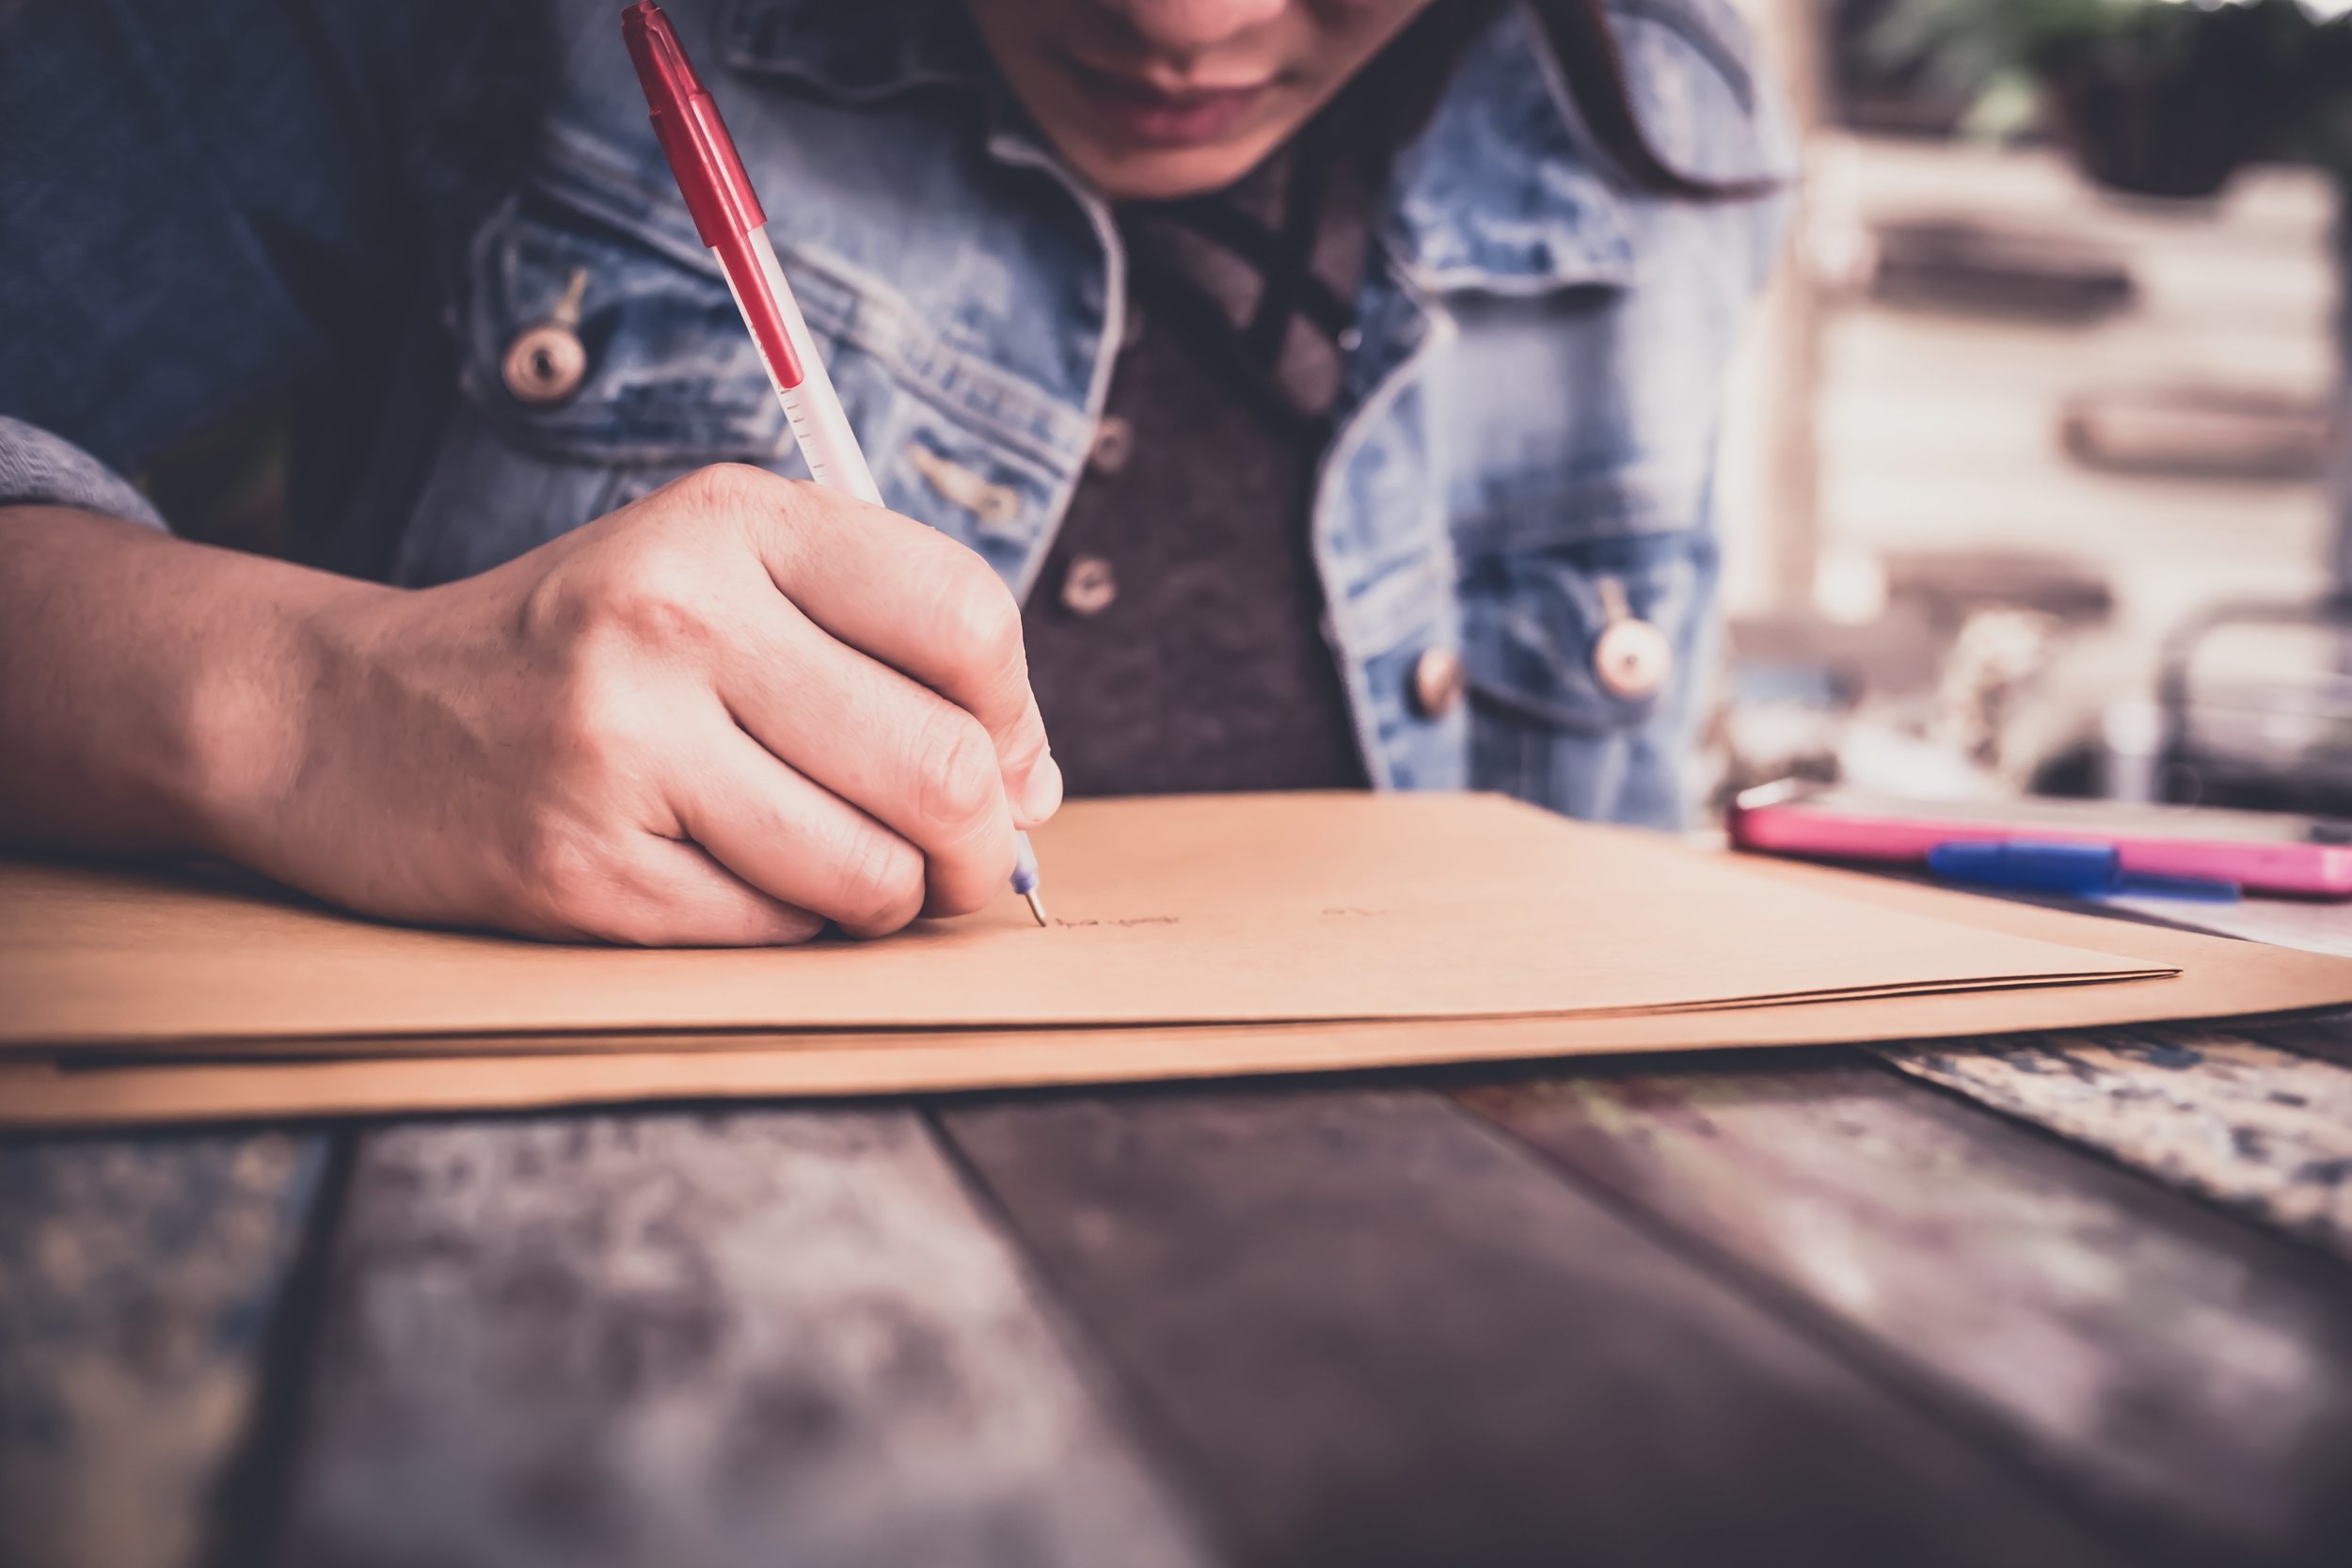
x,y
977,614
1026,745
881,884
723,486
982,885
957,768
662,597
787,525
653,571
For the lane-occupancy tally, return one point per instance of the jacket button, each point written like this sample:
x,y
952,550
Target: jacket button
x,y
1437,682
1114,443
545,364
1631,660
1089,586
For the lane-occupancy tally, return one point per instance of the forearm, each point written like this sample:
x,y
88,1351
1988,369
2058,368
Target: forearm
x,y
151,691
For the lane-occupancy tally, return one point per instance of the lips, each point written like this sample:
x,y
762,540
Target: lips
x,y
1146,113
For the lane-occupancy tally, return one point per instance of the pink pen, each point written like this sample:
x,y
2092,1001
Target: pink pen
x,y
728,217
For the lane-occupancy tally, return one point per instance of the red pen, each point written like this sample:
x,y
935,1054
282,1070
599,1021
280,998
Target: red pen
x,y
732,223
730,220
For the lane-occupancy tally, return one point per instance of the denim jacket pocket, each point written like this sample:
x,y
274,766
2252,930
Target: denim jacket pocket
x,y
660,377
666,375
668,380
1545,725
645,374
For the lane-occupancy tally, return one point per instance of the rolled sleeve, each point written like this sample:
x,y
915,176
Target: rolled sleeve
x,y
41,469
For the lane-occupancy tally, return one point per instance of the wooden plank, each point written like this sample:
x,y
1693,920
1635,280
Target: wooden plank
x,y
2329,1038
1377,1332
698,1339
2218,1110
2191,1376
138,1281
2208,1108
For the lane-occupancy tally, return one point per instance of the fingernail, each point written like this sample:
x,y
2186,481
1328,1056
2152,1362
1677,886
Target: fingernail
x,y
1040,793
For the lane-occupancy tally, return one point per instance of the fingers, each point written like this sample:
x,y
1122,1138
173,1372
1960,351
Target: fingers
x,y
800,843
917,601
905,756
679,896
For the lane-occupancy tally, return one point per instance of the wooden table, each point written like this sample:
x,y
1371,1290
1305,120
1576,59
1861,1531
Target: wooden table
x,y
2080,1299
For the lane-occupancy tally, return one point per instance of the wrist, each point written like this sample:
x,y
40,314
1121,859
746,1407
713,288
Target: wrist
x,y
244,716
155,693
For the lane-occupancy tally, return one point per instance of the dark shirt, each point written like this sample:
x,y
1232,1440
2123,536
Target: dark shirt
x,y
1175,635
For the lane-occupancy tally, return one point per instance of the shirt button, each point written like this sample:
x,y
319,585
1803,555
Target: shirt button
x,y
1114,443
1089,585
1631,660
545,364
1437,682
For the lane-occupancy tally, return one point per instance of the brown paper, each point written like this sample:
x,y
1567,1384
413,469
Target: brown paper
x,y
2197,976
1207,910
2216,977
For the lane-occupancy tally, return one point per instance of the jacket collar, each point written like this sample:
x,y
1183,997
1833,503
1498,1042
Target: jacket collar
x,y
1499,194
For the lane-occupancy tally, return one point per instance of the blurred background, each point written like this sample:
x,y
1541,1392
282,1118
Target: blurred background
x,y
2040,470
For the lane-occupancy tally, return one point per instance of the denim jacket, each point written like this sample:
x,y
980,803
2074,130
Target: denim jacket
x,y
1523,448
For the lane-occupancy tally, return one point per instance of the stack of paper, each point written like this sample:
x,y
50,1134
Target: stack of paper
x,y
1194,936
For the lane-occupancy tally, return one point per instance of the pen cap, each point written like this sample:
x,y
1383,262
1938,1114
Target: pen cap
x,y
685,120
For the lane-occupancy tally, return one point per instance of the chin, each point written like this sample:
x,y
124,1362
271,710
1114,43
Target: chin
x,y
1165,174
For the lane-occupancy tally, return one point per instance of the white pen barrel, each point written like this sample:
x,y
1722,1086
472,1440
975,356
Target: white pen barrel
x,y
827,443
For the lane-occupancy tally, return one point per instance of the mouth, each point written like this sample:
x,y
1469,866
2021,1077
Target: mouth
x,y
1150,113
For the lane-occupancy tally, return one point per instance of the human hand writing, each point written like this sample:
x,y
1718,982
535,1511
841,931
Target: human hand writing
x,y
725,714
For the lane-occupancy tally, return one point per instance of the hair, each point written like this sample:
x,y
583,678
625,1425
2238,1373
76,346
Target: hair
x,y
1585,47
1397,93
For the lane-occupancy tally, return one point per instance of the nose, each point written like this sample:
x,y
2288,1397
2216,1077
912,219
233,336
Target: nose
x,y
1186,28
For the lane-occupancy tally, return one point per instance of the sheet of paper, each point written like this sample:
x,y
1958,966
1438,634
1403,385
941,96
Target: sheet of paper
x,y
2210,977
1232,908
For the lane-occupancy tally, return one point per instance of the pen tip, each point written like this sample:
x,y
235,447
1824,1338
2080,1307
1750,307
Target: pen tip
x,y
1037,906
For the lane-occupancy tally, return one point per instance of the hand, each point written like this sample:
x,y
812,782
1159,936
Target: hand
x,y
725,714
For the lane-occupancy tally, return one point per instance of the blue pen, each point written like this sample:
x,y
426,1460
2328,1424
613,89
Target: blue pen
x,y
1025,877
2077,870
